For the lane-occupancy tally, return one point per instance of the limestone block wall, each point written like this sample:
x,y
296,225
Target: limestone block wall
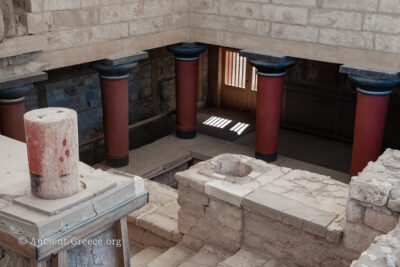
x,y
374,204
83,31
340,31
72,32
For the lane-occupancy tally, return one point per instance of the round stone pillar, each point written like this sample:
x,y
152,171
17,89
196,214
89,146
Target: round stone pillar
x,y
269,102
115,100
12,110
373,95
186,77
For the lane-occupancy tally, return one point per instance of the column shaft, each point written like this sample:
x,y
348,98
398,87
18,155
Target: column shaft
x,y
115,100
11,120
186,97
369,130
269,102
186,77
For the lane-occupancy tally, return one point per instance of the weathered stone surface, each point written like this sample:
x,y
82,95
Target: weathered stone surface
x,y
171,257
1,26
289,243
376,181
248,257
95,253
354,211
145,256
363,188
207,256
334,233
383,252
289,211
379,221
10,28
358,237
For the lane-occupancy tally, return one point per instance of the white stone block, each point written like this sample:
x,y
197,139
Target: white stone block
x,y
359,5
381,23
294,32
336,19
380,221
285,14
239,9
354,211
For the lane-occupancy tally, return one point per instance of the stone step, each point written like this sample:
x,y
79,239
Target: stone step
x,y
245,257
208,256
156,224
173,257
145,256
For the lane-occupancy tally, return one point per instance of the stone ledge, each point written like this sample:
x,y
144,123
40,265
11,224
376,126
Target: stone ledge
x,y
308,201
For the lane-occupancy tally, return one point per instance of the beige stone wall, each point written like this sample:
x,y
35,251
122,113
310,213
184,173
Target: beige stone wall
x,y
342,31
76,31
357,32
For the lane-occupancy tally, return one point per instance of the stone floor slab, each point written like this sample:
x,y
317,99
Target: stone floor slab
x,y
289,211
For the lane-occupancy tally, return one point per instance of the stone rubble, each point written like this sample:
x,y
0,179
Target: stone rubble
x,y
373,208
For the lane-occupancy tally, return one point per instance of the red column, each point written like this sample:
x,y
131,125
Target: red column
x,y
186,97
269,101
11,120
115,100
369,129
12,110
186,77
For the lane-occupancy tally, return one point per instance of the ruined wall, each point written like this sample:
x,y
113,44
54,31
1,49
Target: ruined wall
x,y
295,216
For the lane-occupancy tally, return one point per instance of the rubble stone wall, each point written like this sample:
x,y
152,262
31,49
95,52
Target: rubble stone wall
x,y
296,216
373,211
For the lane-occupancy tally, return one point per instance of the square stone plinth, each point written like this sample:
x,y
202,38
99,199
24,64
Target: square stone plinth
x,y
103,199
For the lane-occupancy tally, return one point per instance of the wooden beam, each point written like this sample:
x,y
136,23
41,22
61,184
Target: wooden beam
x,y
154,85
121,232
214,76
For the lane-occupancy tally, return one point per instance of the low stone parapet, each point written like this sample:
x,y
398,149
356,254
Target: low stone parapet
x,y
295,216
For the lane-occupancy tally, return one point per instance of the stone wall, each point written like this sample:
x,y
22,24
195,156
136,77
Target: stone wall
x,y
79,31
340,31
73,32
151,92
374,204
295,216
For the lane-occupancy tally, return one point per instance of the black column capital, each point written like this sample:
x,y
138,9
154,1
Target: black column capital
x,y
187,51
267,65
116,72
372,82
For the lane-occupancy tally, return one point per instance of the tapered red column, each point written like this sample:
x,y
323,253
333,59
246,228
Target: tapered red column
x,y
369,129
269,102
271,73
115,100
373,95
12,110
186,77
